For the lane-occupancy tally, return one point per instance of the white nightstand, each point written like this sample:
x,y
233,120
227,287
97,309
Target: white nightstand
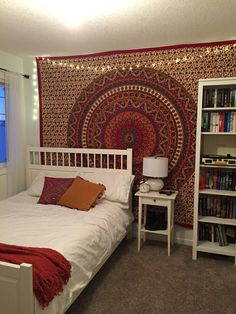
x,y
157,199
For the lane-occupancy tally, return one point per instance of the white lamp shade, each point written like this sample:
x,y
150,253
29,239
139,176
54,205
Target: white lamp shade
x,y
155,167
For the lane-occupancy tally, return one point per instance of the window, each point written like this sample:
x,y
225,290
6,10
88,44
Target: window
x,y
3,157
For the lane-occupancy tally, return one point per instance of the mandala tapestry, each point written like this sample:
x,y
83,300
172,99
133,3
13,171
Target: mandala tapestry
x,y
144,100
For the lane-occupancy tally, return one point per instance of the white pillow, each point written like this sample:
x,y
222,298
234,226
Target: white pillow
x,y
117,184
36,186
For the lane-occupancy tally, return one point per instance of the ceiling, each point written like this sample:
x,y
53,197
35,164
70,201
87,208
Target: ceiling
x,y
37,27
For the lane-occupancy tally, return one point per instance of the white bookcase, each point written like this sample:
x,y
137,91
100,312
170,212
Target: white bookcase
x,y
215,181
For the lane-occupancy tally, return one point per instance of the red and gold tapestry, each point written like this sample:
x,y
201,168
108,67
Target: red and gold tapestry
x,y
146,100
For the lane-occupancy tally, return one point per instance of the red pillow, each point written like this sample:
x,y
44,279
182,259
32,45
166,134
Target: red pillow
x,y
53,189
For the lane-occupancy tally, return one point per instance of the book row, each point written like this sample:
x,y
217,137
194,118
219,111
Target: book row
x,y
217,233
224,121
219,97
217,206
218,179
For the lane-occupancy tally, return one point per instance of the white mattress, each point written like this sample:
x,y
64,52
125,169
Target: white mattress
x,y
84,238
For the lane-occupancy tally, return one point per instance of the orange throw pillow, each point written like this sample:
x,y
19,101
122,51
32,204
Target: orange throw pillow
x,y
81,194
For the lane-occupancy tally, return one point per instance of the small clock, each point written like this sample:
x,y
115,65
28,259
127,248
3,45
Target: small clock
x,y
144,187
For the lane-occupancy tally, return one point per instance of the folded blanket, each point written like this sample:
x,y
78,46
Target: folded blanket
x,y
50,269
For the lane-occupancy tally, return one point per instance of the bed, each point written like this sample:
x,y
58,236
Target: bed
x,y
86,239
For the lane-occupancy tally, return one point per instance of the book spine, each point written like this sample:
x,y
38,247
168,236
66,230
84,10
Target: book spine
x,y
233,122
214,97
217,122
231,97
222,122
226,98
219,235
220,98
228,121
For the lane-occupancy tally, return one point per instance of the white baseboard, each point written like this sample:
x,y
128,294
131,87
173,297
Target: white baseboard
x,y
181,235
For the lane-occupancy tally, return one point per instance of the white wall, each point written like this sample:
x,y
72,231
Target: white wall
x,y
31,103
26,66
13,63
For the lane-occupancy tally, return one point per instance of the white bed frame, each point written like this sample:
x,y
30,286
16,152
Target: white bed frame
x,y
16,284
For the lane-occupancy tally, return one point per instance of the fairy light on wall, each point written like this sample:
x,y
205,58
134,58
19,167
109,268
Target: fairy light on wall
x,y
155,62
35,93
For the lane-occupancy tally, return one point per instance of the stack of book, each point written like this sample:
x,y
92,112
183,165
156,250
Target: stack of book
x,y
219,97
217,206
224,121
221,235
218,179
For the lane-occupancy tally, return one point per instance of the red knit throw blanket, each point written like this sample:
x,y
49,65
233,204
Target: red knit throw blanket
x,y
50,269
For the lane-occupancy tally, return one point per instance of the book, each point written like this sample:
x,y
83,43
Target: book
x,y
228,119
226,101
205,121
217,122
220,97
232,97
214,97
222,121
222,239
233,122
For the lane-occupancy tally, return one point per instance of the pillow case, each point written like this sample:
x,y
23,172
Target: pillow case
x,y
117,184
37,185
82,194
53,189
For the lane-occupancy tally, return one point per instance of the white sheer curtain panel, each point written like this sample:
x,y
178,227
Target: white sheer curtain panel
x,y
15,133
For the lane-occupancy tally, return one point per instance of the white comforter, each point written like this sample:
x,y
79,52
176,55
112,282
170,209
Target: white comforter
x,y
84,238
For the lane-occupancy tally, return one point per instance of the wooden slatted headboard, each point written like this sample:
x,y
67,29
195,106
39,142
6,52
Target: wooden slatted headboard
x,y
57,160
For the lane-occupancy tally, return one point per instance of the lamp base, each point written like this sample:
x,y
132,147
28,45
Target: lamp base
x,y
155,184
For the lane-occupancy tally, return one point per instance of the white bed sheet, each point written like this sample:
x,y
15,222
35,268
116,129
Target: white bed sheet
x,y
84,238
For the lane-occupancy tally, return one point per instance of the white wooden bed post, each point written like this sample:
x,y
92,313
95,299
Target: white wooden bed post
x,y
16,289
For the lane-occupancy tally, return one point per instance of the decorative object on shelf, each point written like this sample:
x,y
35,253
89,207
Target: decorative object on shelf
x,y
144,187
156,168
219,160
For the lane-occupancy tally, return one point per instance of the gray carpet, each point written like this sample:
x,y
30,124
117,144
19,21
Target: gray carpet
x,y
151,282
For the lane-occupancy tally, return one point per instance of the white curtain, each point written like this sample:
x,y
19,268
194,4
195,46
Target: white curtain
x,y
16,144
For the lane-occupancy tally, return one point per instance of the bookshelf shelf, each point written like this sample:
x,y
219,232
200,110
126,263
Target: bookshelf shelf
x,y
217,220
218,133
218,167
218,192
213,247
219,109
214,227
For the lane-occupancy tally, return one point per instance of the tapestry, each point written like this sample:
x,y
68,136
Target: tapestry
x,y
145,100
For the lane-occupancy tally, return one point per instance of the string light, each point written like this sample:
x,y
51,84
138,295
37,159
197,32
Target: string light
x,y
204,52
35,94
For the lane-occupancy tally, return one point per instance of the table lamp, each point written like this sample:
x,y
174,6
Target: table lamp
x,y
156,168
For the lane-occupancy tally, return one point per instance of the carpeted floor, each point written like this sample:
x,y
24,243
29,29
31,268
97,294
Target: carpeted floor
x,y
150,282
